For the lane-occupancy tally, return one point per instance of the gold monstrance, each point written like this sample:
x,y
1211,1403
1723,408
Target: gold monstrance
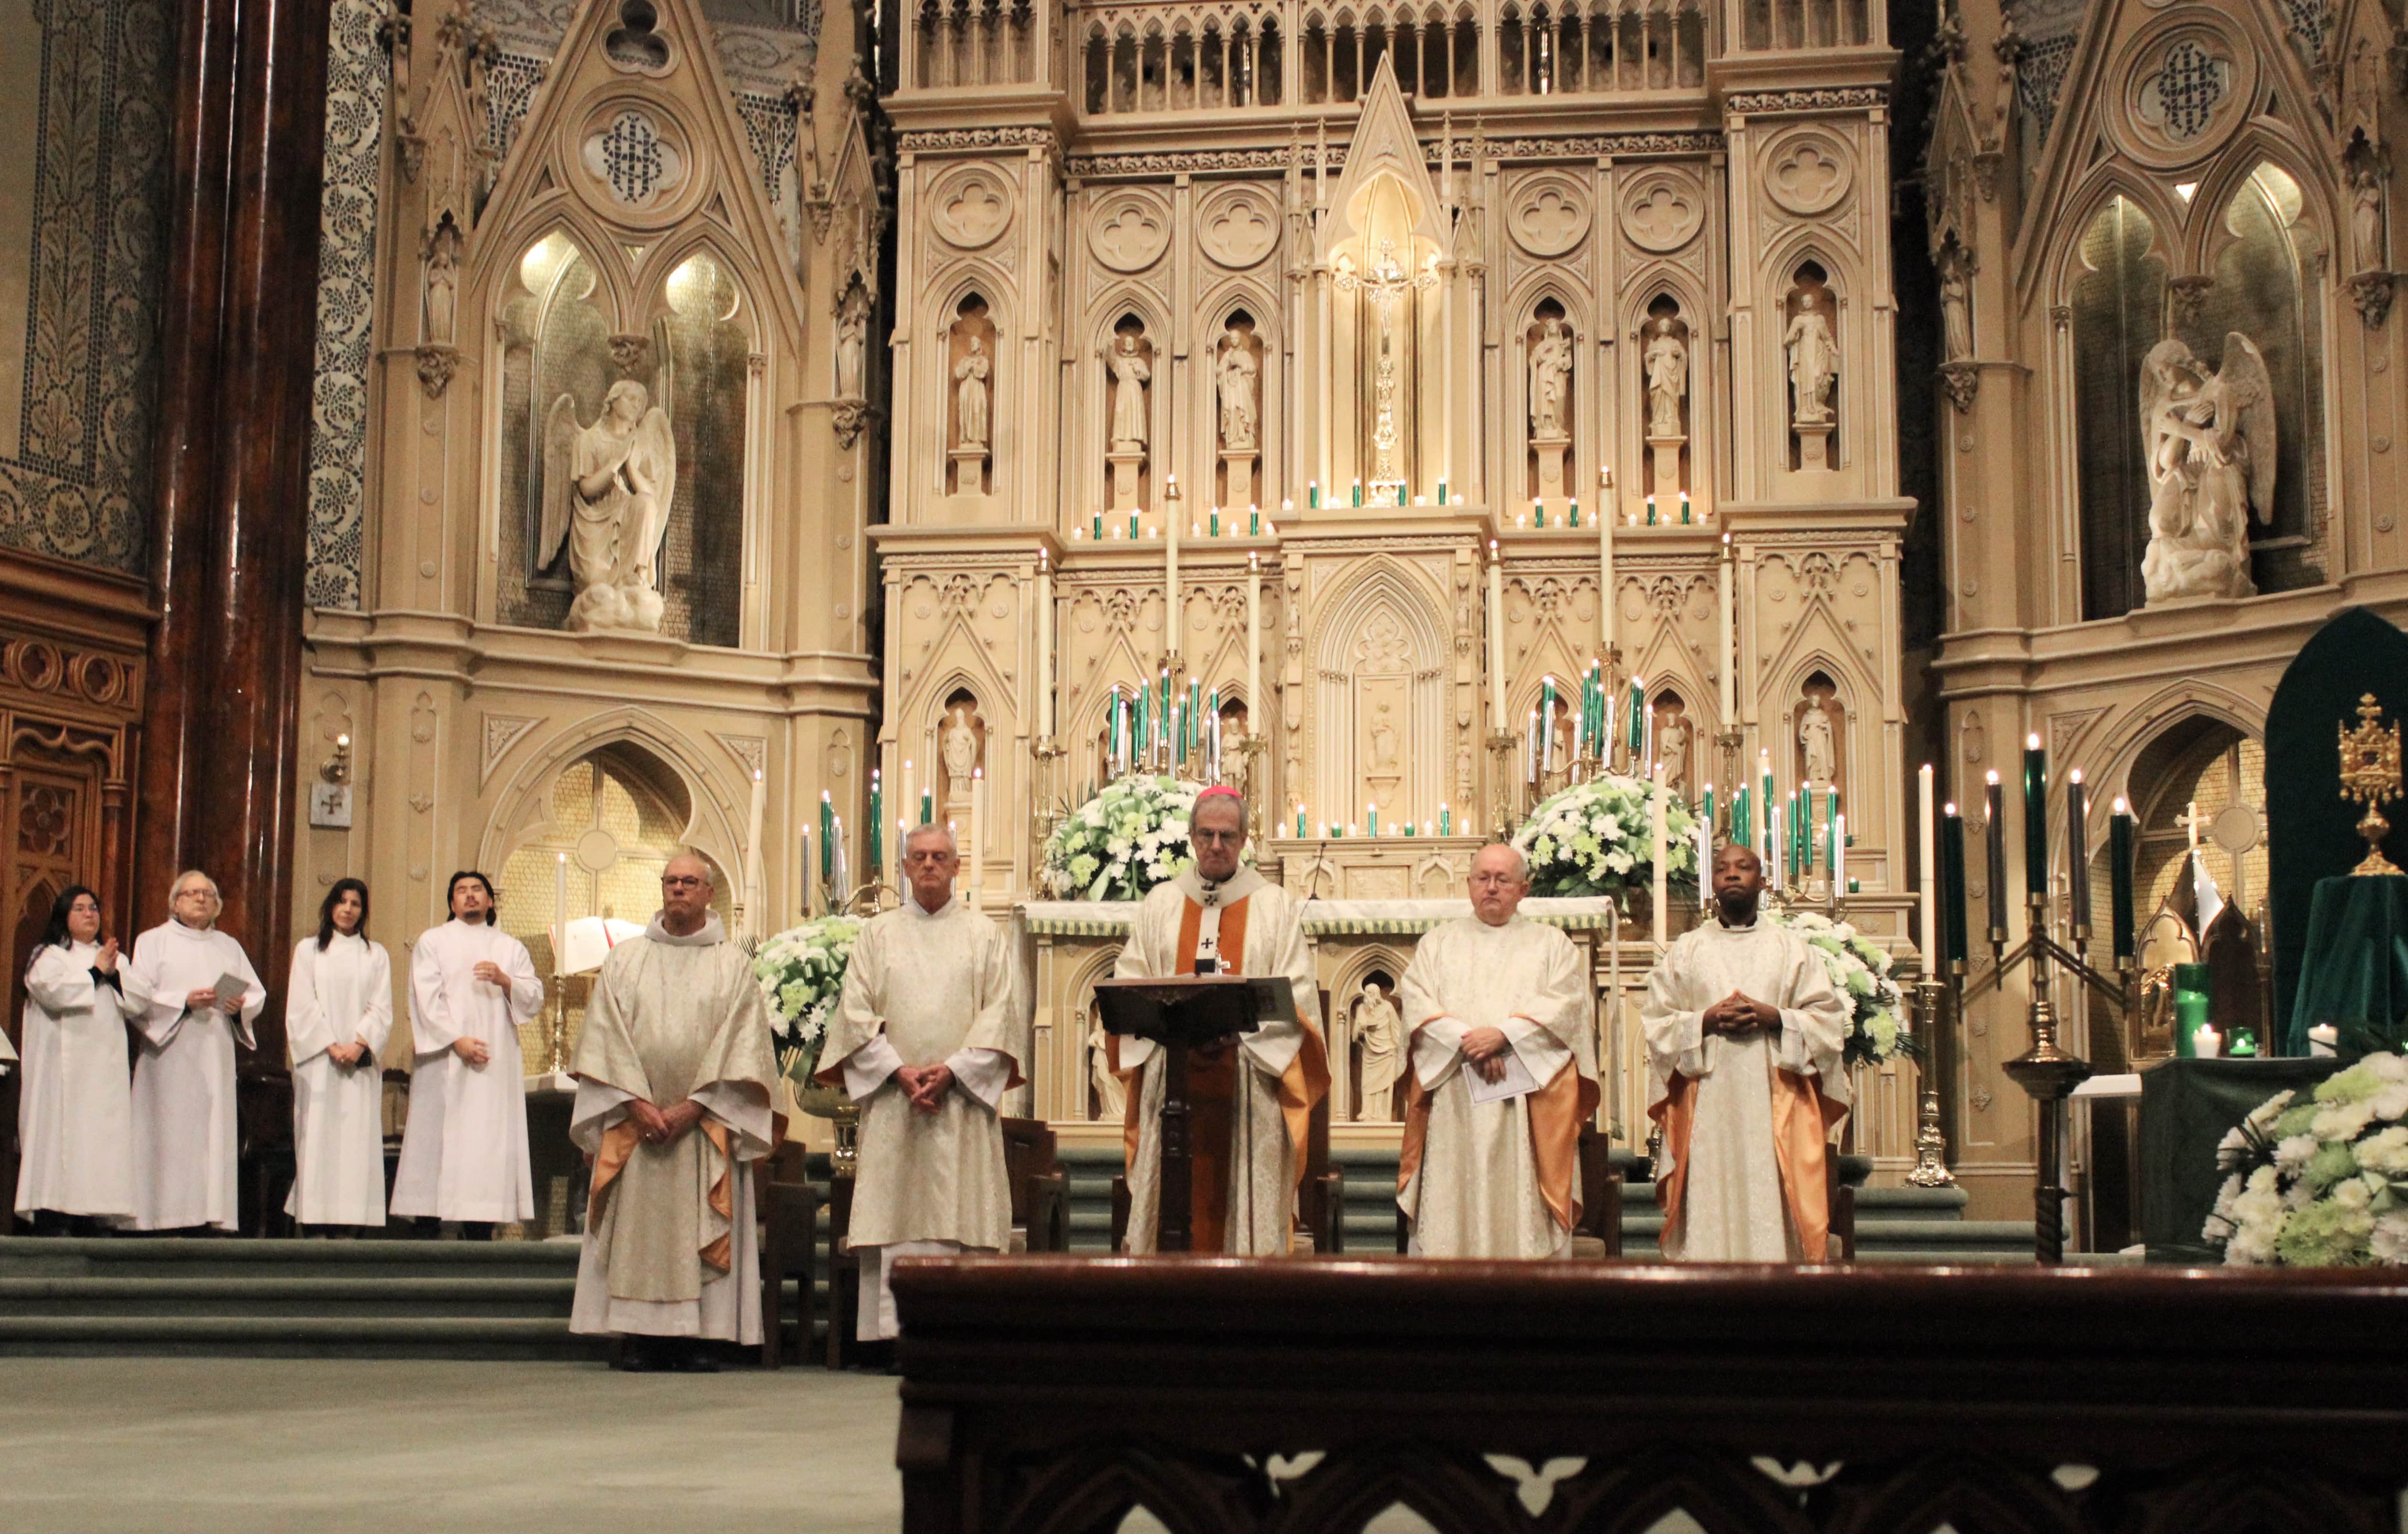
x,y
2369,774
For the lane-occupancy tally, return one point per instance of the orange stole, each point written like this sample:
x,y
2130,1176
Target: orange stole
x,y
1802,1120
1212,1090
619,1143
1556,1111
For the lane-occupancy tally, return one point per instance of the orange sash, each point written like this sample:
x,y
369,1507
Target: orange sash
x,y
619,1143
1556,1111
1803,1119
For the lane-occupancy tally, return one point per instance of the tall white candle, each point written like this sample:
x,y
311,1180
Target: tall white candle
x,y
756,879
910,808
978,837
1170,615
1927,845
1605,560
1727,636
1657,848
1839,855
1496,638
560,922
1258,713
1705,856
1044,644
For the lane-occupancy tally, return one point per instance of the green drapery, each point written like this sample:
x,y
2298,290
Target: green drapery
x,y
2353,973
2186,1108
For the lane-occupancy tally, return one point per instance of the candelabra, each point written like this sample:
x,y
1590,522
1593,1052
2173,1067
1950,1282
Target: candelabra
x,y
1930,1143
1052,797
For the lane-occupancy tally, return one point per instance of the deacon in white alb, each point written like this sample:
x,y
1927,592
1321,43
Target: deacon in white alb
x,y
76,1117
674,1075
1745,1033
464,1153
338,1013
198,993
1504,1074
925,1039
1253,1104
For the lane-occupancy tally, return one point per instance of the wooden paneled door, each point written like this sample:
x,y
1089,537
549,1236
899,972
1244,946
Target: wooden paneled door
x,y
51,809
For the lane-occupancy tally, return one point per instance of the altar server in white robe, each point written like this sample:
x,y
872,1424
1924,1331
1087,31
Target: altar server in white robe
x,y
1496,1002
925,1039
1251,1104
337,1013
464,1152
183,1076
75,1116
1745,1033
674,1076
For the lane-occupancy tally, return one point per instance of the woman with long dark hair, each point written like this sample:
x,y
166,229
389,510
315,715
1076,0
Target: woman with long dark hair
x,y
77,1122
338,1012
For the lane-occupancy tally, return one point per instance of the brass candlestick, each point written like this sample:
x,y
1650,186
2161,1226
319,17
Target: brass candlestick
x,y
1507,815
2370,775
1930,1143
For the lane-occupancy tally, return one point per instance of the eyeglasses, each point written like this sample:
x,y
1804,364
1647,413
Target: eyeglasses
x,y
1215,838
680,882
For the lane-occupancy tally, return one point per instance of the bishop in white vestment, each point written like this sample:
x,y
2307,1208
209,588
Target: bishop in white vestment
x,y
1503,1056
184,1143
75,1118
464,1152
925,1041
674,1078
1745,1033
338,1014
1252,1103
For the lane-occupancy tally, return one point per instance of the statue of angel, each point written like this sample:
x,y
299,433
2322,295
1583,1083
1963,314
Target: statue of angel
x,y
2211,445
607,492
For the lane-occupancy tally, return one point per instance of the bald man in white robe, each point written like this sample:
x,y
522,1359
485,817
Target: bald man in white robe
x,y
199,996
1503,1055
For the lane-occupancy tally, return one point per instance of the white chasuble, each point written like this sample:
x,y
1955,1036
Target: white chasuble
x,y
464,1152
1253,1104
183,1078
1746,1119
76,1117
342,994
925,988
1501,1178
671,1246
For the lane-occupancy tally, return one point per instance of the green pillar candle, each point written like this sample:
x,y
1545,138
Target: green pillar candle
x,y
1254,523
1538,513
1372,816
1709,811
2035,816
1952,884
927,806
1300,823
1099,528
1216,522
1359,493
828,839
877,818
1995,845
1132,527
1441,492
2119,878
1576,513
1313,494
1445,820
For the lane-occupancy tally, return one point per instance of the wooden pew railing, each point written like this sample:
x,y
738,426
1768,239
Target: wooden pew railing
x,y
1053,1394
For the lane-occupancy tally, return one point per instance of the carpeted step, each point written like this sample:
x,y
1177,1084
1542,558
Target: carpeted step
x,y
167,1256
297,1337
359,1296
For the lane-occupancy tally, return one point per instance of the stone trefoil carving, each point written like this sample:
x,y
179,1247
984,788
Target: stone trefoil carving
x,y
608,489
2209,438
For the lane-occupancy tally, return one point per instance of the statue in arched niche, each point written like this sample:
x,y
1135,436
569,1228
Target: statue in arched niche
x,y
608,489
1814,359
1673,741
1130,375
957,747
1377,1027
969,394
1666,362
1819,718
2211,443
1236,372
1550,366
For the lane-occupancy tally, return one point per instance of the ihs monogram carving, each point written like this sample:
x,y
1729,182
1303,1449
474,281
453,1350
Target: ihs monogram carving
x,y
972,208
1809,172
1130,230
1662,211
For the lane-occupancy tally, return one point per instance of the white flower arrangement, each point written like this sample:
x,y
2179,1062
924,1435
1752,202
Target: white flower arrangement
x,y
1131,837
801,975
2321,1183
1593,838
1860,969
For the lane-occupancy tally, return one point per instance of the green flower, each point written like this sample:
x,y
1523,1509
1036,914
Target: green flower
x,y
2326,1235
2330,1165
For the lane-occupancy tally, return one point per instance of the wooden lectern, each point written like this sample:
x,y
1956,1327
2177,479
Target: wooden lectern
x,y
1180,1012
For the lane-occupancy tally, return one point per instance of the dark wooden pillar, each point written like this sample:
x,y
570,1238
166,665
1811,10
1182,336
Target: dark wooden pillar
x,y
238,323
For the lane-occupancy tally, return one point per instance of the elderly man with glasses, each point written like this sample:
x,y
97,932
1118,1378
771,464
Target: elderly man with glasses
x,y
674,1073
1503,1063
197,995
1251,1101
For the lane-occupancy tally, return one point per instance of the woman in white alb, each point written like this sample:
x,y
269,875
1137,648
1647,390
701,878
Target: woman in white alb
x,y
337,1011
77,1122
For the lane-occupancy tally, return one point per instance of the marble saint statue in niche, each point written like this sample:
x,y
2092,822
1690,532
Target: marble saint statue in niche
x,y
1668,377
1814,360
969,394
1956,305
2209,440
1673,737
442,282
1236,378
851,344
1376,1029
2366,213
1130,376
608,489
958,744
1383,741
1815,742
1550,365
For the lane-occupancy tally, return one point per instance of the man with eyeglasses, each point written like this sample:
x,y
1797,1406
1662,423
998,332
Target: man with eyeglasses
x,y
1251,1101
1503,1073
674,1073
925,1040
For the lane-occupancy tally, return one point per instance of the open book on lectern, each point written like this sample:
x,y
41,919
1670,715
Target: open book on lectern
x,y
1192,1008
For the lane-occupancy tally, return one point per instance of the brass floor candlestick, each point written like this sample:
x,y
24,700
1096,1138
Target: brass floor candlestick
x,y
2049,1074
1930,1144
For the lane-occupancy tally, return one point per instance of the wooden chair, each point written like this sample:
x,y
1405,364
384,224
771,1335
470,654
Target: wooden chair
x,y
1601,1192
788,1204
1041,1189
1843,1202
844,1276
263,1150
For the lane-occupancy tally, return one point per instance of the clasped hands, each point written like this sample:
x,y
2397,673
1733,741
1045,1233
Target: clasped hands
x,y
662,1126
1738,1014
925,1085
1483,1050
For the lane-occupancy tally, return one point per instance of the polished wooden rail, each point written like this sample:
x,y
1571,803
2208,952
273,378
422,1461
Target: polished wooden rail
x,y
1050,1395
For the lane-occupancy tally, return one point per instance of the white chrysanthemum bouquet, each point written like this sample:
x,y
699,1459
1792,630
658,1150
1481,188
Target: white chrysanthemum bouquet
x,y
1593,838
2321,1183
801,975
1131,837
1860,969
